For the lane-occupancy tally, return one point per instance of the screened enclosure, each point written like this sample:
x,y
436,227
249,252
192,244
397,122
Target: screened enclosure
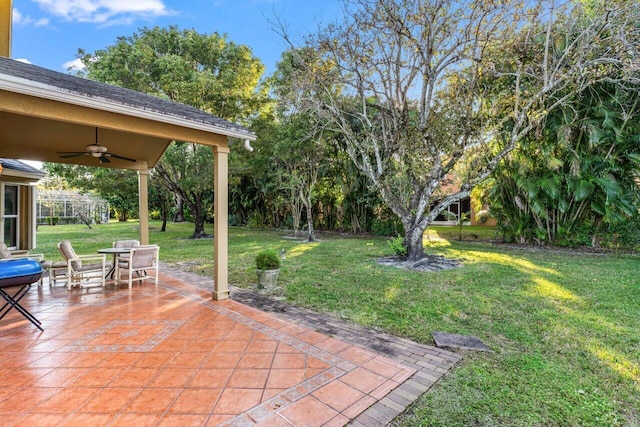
x,y
68,207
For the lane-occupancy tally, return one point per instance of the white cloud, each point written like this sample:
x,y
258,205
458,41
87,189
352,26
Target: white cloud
x,y
17,16
26,61
75,65
104,11
20,19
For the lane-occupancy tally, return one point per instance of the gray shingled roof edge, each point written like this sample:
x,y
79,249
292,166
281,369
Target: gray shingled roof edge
x,y
17,165
86,89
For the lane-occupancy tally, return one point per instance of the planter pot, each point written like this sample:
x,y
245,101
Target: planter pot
x,y
267,279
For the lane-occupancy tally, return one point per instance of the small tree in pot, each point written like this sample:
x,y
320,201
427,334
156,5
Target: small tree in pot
x,y
267,267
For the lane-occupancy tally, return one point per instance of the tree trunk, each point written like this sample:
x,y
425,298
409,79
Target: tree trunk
x,y
179,216
355,224
164,213
198,221
295,216
198,231
413,242
595,240
310,232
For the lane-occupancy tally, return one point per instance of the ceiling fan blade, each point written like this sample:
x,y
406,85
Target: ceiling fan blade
x,y
104,159
68,155
115,156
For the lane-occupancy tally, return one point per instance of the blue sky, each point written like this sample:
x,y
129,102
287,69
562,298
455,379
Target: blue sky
x,y
48,33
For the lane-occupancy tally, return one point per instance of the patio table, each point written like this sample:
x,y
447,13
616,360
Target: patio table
x,y
115,252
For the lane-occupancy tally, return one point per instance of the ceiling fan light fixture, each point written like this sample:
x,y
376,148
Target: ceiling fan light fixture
x,y
96,150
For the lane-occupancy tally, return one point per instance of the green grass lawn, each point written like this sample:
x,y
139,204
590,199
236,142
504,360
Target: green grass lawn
x,y
564,326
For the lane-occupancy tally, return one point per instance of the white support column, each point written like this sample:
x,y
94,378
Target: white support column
x,y
143,205
221,203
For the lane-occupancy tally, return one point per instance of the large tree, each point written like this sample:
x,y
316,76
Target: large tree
x,y
300,144
411,94
300,160
204,70
187,171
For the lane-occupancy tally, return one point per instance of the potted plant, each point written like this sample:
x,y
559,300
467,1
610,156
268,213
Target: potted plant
x,y
267,267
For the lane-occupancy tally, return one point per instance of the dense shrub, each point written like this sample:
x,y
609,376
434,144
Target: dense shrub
x,y
267,259
623,235
398,247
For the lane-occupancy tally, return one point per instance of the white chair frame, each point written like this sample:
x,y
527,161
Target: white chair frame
x,y
140,260
55,270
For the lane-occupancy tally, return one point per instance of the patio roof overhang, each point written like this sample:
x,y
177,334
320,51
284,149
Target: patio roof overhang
x,y
43,112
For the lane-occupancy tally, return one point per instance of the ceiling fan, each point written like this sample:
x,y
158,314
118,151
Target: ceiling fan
x,y
95,150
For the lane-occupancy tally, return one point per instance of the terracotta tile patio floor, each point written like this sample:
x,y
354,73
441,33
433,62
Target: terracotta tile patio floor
x,y
169,355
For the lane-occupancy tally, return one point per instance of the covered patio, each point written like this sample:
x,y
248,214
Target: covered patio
x,y
169,355
44,115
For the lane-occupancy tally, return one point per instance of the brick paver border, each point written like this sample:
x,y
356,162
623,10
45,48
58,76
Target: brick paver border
x,y
431,363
